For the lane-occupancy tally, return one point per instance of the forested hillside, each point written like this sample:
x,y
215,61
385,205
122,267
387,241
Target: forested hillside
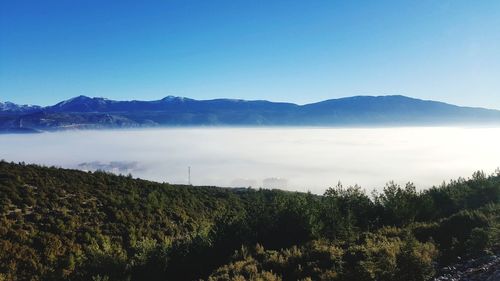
x,y
58,224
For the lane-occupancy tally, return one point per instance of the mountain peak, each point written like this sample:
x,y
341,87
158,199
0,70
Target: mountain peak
x,y
74,99
13,107
80,103
80,98
175,98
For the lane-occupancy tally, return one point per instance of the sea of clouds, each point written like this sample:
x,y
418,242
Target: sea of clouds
x,y
302,159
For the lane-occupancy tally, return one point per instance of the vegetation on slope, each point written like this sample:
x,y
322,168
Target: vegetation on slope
x,y
58,224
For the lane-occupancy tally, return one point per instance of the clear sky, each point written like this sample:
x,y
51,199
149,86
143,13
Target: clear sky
x,y
298,51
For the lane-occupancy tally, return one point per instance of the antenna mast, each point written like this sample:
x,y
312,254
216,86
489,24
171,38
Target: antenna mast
x,y
189,175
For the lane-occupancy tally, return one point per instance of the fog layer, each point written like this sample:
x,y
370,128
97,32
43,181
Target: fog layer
x,y
303,159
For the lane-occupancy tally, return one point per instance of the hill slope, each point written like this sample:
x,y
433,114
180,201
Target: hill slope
x,y
84,112
58,224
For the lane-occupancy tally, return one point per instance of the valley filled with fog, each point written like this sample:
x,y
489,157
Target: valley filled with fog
x,y
302,159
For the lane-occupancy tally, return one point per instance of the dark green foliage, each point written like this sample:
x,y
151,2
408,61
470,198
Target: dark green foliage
x,y
345,212
58,224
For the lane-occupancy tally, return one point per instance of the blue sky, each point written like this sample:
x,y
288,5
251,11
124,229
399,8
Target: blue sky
x,y
298,51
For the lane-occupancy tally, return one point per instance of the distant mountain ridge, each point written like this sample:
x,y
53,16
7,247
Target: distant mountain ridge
x,y
84,112
12,107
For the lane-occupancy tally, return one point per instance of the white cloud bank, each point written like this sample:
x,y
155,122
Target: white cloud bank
x,y
293,158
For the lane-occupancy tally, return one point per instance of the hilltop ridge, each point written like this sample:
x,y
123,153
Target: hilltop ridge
x,y
84,112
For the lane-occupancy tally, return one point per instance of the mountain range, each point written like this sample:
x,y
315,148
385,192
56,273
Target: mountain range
x,y
98,113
